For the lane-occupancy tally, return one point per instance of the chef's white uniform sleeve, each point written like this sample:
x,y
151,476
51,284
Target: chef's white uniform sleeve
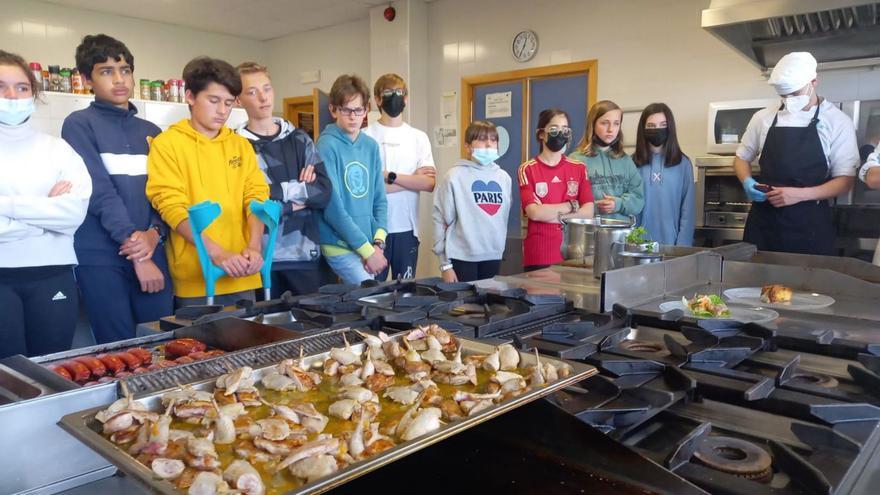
x,y
843,150
873,161
750,145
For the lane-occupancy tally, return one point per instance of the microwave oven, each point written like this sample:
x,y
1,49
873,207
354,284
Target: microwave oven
x,y
728,121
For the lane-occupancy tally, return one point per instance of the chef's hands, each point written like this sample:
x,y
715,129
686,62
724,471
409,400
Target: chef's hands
x,y
150,276
606,205
785,196
140,245
752,192
376,262
449,276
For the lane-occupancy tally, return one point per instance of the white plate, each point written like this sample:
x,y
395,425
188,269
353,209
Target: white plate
x,y
737,313
799,300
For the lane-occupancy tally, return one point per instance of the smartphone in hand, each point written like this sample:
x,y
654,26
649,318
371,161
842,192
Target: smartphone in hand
x,y
764,188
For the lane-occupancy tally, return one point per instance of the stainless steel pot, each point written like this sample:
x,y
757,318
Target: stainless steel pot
x,y
578,238
629,258
610,239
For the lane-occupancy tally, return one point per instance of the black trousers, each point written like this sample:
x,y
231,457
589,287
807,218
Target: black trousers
x,y
116,303
468,271
40,309
402,253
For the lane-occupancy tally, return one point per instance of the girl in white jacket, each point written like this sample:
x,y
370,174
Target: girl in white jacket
x,y
44,194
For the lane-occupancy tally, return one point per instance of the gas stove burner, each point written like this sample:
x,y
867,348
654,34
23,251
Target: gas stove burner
x,y
737,457
645,347
815,379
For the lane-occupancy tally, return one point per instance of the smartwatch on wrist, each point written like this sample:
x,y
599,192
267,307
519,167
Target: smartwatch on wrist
x,y
391,178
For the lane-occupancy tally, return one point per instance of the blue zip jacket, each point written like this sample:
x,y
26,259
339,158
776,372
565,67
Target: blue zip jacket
x,y
114,144
357,212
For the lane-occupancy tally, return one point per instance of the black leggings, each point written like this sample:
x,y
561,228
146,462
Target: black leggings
x,y
468,271
40,310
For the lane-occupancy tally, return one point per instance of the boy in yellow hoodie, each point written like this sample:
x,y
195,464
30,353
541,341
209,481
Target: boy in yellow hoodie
x,y
200,159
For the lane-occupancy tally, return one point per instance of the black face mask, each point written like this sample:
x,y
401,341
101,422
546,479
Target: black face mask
x,y
556,143
657,136
393,104
602,144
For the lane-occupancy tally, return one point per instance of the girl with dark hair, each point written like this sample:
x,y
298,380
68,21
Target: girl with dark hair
x,y
668,179
551,186
44,195
617,185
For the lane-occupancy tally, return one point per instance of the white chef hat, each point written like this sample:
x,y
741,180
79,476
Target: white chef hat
x,y
793,72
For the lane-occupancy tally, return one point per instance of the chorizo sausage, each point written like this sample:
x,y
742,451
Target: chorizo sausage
x,y
95,366
77,370
183,347
130,360
61,370
113,363
144,355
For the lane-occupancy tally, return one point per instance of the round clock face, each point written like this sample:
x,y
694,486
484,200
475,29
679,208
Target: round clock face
x,y
525,45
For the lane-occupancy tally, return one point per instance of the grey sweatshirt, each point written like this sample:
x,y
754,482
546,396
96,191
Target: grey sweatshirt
x,y
471,206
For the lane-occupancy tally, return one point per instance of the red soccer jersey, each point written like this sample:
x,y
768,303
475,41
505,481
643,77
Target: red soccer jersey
x,y
540,183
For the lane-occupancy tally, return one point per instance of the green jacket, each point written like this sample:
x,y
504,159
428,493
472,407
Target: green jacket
x,y
616,177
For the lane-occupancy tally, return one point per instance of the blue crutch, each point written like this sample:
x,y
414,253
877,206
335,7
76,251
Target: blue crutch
x,y
200,217
269,212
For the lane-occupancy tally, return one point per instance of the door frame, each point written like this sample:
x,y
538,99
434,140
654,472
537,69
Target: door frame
x,y
590,67
296,101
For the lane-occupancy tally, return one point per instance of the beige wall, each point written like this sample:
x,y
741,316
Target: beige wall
x,y
49,34
335,50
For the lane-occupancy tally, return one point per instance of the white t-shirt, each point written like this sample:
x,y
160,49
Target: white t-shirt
x,y
836,132
403,150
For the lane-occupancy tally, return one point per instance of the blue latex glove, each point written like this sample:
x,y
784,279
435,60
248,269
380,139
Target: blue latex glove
x,y
751,192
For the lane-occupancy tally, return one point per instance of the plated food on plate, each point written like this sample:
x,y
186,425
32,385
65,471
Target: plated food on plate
x,y
706,306
277,429
776,293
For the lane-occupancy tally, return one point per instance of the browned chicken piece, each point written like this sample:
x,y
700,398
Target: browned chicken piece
x,y
431,396
186,478
378,446
245,449
351,368
389,427
399,362
223,399
451,410
413,367
377,382
126,435
775,293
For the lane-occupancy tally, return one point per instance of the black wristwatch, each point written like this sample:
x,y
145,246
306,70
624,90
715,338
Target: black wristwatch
x,y
574,205
158,231
380,244
391,178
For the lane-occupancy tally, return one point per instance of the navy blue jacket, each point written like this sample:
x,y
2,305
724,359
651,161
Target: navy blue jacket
x,y
114,145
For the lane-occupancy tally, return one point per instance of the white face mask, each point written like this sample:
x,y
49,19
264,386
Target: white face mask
x,y
797,103
14,112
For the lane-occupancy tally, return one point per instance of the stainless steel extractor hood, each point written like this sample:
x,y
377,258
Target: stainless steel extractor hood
x,y
765,30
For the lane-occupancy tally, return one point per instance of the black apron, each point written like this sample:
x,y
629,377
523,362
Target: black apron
x,y
793,157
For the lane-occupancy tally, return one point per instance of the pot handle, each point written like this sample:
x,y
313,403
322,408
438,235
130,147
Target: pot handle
x,y
562,221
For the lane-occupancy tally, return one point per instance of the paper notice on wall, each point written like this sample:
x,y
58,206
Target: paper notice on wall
x,y
498,105
445,137
449,109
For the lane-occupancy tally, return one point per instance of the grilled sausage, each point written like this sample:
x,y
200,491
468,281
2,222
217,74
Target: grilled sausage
x,y
61,370
139,370
183,347
77,370
95,366
184,360
144,355
130,360
112,362
198,355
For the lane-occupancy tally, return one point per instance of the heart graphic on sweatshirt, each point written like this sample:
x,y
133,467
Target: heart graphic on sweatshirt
x,y
488,196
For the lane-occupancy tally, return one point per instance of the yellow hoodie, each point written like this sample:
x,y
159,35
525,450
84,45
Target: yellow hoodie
x,y
185,168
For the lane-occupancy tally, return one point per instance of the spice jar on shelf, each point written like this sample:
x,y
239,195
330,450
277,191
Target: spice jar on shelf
x,y
54,78
145,89
66,86
76,82
156,90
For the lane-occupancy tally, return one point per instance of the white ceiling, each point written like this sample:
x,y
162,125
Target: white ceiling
x,y
255,19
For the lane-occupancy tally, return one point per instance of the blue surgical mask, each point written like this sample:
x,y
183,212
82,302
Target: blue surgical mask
x,y
485,156
14,112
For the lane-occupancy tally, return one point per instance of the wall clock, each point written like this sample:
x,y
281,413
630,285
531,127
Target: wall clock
x,y
524,45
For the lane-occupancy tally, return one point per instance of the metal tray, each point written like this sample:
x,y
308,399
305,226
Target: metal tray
x,y
86,428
